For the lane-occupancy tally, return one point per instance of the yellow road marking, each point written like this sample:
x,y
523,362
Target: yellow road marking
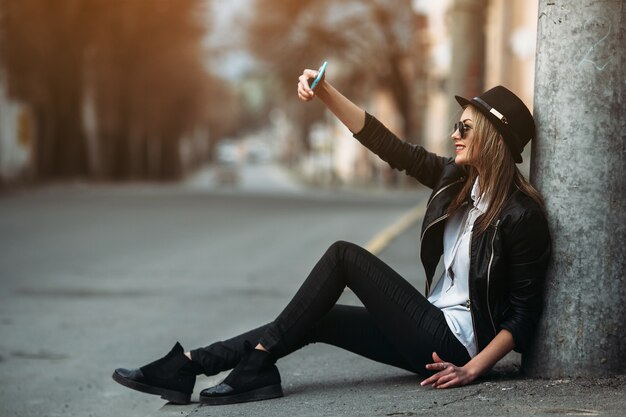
x,y
379,242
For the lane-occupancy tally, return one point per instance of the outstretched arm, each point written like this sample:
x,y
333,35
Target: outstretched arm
x,y
351,115
426,167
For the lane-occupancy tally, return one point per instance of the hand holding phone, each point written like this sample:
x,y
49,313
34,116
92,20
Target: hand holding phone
x,y
320,74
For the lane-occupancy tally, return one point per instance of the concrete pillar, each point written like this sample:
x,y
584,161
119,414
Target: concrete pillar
x,y
578,164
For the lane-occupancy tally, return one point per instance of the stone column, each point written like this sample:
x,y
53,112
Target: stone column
x,y
578,165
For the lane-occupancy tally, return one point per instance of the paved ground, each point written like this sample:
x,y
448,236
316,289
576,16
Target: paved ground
x,y
325,381
92,278
97,277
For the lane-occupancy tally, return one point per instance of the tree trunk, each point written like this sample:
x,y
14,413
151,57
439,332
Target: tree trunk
x,y
70,151
467,74
44,142
578,165
398,81
170,167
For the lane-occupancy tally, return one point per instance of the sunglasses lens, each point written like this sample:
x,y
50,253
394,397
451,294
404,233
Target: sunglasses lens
x,y
461,127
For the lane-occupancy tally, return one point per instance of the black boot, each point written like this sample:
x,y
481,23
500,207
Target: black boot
x,y
172,377
255,378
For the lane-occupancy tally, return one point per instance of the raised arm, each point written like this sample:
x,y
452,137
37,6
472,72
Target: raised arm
x,y
426,167
351,115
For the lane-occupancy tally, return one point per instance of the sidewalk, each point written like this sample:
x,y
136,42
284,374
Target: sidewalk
x,y
321,380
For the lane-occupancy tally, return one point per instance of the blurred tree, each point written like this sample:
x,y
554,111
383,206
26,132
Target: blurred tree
x,y
137,65
224,109
41,48
375,42
150,84
467,70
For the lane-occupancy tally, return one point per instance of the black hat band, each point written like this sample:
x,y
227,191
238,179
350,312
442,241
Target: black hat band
x,y
509,136
491,110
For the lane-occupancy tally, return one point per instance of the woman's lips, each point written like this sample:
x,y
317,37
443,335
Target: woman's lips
x,y
459,148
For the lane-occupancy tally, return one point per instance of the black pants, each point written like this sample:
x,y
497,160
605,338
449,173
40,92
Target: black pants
x,y
396,326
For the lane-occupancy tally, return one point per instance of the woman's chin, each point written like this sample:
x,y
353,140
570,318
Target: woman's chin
x,y
461,160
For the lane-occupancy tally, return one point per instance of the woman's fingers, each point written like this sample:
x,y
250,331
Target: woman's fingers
x,y
309,73
434,378
447,381
444,379
451,376
304,90
438,363
447,373
430,380
445,370
453,382
304,94
438,366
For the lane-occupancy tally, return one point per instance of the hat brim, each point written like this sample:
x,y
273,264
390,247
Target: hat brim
x,y
462,101
465,102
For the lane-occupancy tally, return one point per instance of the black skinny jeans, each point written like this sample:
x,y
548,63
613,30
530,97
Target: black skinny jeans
x,y
397,325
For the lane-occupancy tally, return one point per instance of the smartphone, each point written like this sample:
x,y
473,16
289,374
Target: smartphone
x,y
319,75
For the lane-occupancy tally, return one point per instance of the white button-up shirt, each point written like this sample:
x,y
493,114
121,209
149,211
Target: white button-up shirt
x,y
451,292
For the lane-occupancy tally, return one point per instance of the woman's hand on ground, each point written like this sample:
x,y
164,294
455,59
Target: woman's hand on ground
x,y
304,91
449,375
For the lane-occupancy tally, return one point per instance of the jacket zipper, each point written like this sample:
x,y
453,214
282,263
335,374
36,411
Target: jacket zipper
x,y
445,216
489,275
431,200
469,303
443,189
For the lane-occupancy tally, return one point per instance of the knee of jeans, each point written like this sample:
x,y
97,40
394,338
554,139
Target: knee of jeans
x,y
341,246
338,249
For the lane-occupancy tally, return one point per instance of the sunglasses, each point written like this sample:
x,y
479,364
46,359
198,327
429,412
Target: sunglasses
x,y
462,127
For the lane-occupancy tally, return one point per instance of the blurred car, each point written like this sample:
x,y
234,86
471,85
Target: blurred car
x,y
227,156
257,151
227,152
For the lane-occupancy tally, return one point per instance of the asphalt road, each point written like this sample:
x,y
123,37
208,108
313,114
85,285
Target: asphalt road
x,y
94,278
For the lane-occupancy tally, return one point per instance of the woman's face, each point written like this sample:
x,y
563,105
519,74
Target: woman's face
x,y
461,144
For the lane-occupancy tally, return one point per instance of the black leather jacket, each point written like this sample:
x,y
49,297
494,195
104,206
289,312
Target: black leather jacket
x,y
507,262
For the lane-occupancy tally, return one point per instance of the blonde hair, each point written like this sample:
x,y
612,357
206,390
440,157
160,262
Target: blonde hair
x,y
492,158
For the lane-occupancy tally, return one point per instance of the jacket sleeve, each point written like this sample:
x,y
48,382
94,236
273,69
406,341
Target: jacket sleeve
x,y
529,257
424,166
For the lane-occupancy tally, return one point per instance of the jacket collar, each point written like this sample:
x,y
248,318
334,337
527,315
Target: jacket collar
x,y
480,201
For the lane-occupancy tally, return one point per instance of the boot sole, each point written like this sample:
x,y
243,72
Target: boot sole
x,y
263,393
175,397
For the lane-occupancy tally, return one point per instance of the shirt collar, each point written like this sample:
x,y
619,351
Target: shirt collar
x,y
480,201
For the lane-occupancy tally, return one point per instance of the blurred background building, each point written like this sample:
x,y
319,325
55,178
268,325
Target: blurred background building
x,y
114,90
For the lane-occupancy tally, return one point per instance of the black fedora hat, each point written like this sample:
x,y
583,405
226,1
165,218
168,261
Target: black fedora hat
x,y
509,115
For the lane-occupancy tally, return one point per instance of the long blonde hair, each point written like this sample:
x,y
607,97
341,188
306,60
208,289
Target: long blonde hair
x,y
498,172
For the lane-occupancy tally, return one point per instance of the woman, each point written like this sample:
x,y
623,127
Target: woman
x,y
483,217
